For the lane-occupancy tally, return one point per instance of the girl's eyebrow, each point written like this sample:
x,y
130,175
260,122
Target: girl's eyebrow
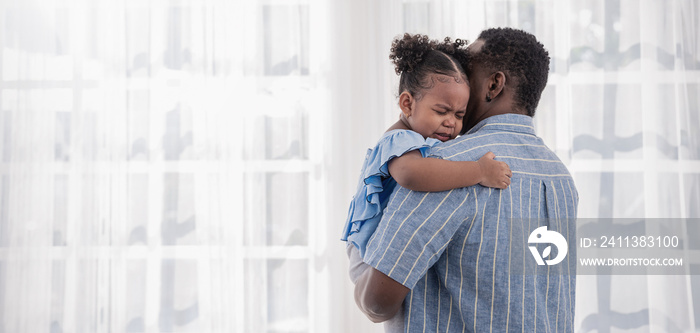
x,y
446,107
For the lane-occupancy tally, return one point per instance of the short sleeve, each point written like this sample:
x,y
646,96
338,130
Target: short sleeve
x,y
393,144
366,206
415,230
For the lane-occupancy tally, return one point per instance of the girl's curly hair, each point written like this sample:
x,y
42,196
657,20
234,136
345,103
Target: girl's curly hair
x,y
416,58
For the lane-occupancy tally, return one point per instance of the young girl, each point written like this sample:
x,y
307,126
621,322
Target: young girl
x,y
433,96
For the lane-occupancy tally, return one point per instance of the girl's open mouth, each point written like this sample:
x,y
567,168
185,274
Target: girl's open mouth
x,y
442,137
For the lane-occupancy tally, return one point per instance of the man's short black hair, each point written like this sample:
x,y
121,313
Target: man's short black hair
x,y
520,56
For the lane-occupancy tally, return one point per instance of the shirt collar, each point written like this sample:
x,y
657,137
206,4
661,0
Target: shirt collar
x,y
510,122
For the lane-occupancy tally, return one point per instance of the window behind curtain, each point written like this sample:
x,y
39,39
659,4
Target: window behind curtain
x,y
162,163
157,165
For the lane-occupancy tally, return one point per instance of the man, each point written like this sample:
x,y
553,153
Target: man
x,y
454,261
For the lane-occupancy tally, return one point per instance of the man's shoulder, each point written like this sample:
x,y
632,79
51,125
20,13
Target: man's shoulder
x,y
470,146
493,133
524,152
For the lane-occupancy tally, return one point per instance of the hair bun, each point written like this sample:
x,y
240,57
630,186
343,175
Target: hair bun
x,y
457,49
407,52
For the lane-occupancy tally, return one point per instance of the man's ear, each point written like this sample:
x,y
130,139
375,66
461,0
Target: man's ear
x,y
497,82
406,103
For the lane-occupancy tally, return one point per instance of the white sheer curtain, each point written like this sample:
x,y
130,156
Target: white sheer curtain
x,y
186,166
158,160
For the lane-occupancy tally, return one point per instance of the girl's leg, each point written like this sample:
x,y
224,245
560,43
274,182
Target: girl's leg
x,y
356,266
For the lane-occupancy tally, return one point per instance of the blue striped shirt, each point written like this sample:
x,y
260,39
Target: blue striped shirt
x,y
457,250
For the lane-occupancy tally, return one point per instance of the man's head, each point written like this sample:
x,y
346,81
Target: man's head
x,y
507,72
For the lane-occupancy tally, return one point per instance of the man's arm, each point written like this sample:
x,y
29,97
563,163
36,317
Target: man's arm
x,y
415,229
378,296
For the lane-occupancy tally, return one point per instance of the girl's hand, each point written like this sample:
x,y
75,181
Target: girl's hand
x,y
494,173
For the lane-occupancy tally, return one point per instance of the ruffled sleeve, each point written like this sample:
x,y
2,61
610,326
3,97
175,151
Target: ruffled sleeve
x,y
375,184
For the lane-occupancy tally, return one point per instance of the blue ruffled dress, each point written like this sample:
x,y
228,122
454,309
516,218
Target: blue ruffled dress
x,y
375,185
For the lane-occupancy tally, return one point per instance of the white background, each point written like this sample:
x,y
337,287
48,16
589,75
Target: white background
x,y
186,166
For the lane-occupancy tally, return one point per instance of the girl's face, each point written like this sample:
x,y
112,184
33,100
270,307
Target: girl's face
x,y
438,113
